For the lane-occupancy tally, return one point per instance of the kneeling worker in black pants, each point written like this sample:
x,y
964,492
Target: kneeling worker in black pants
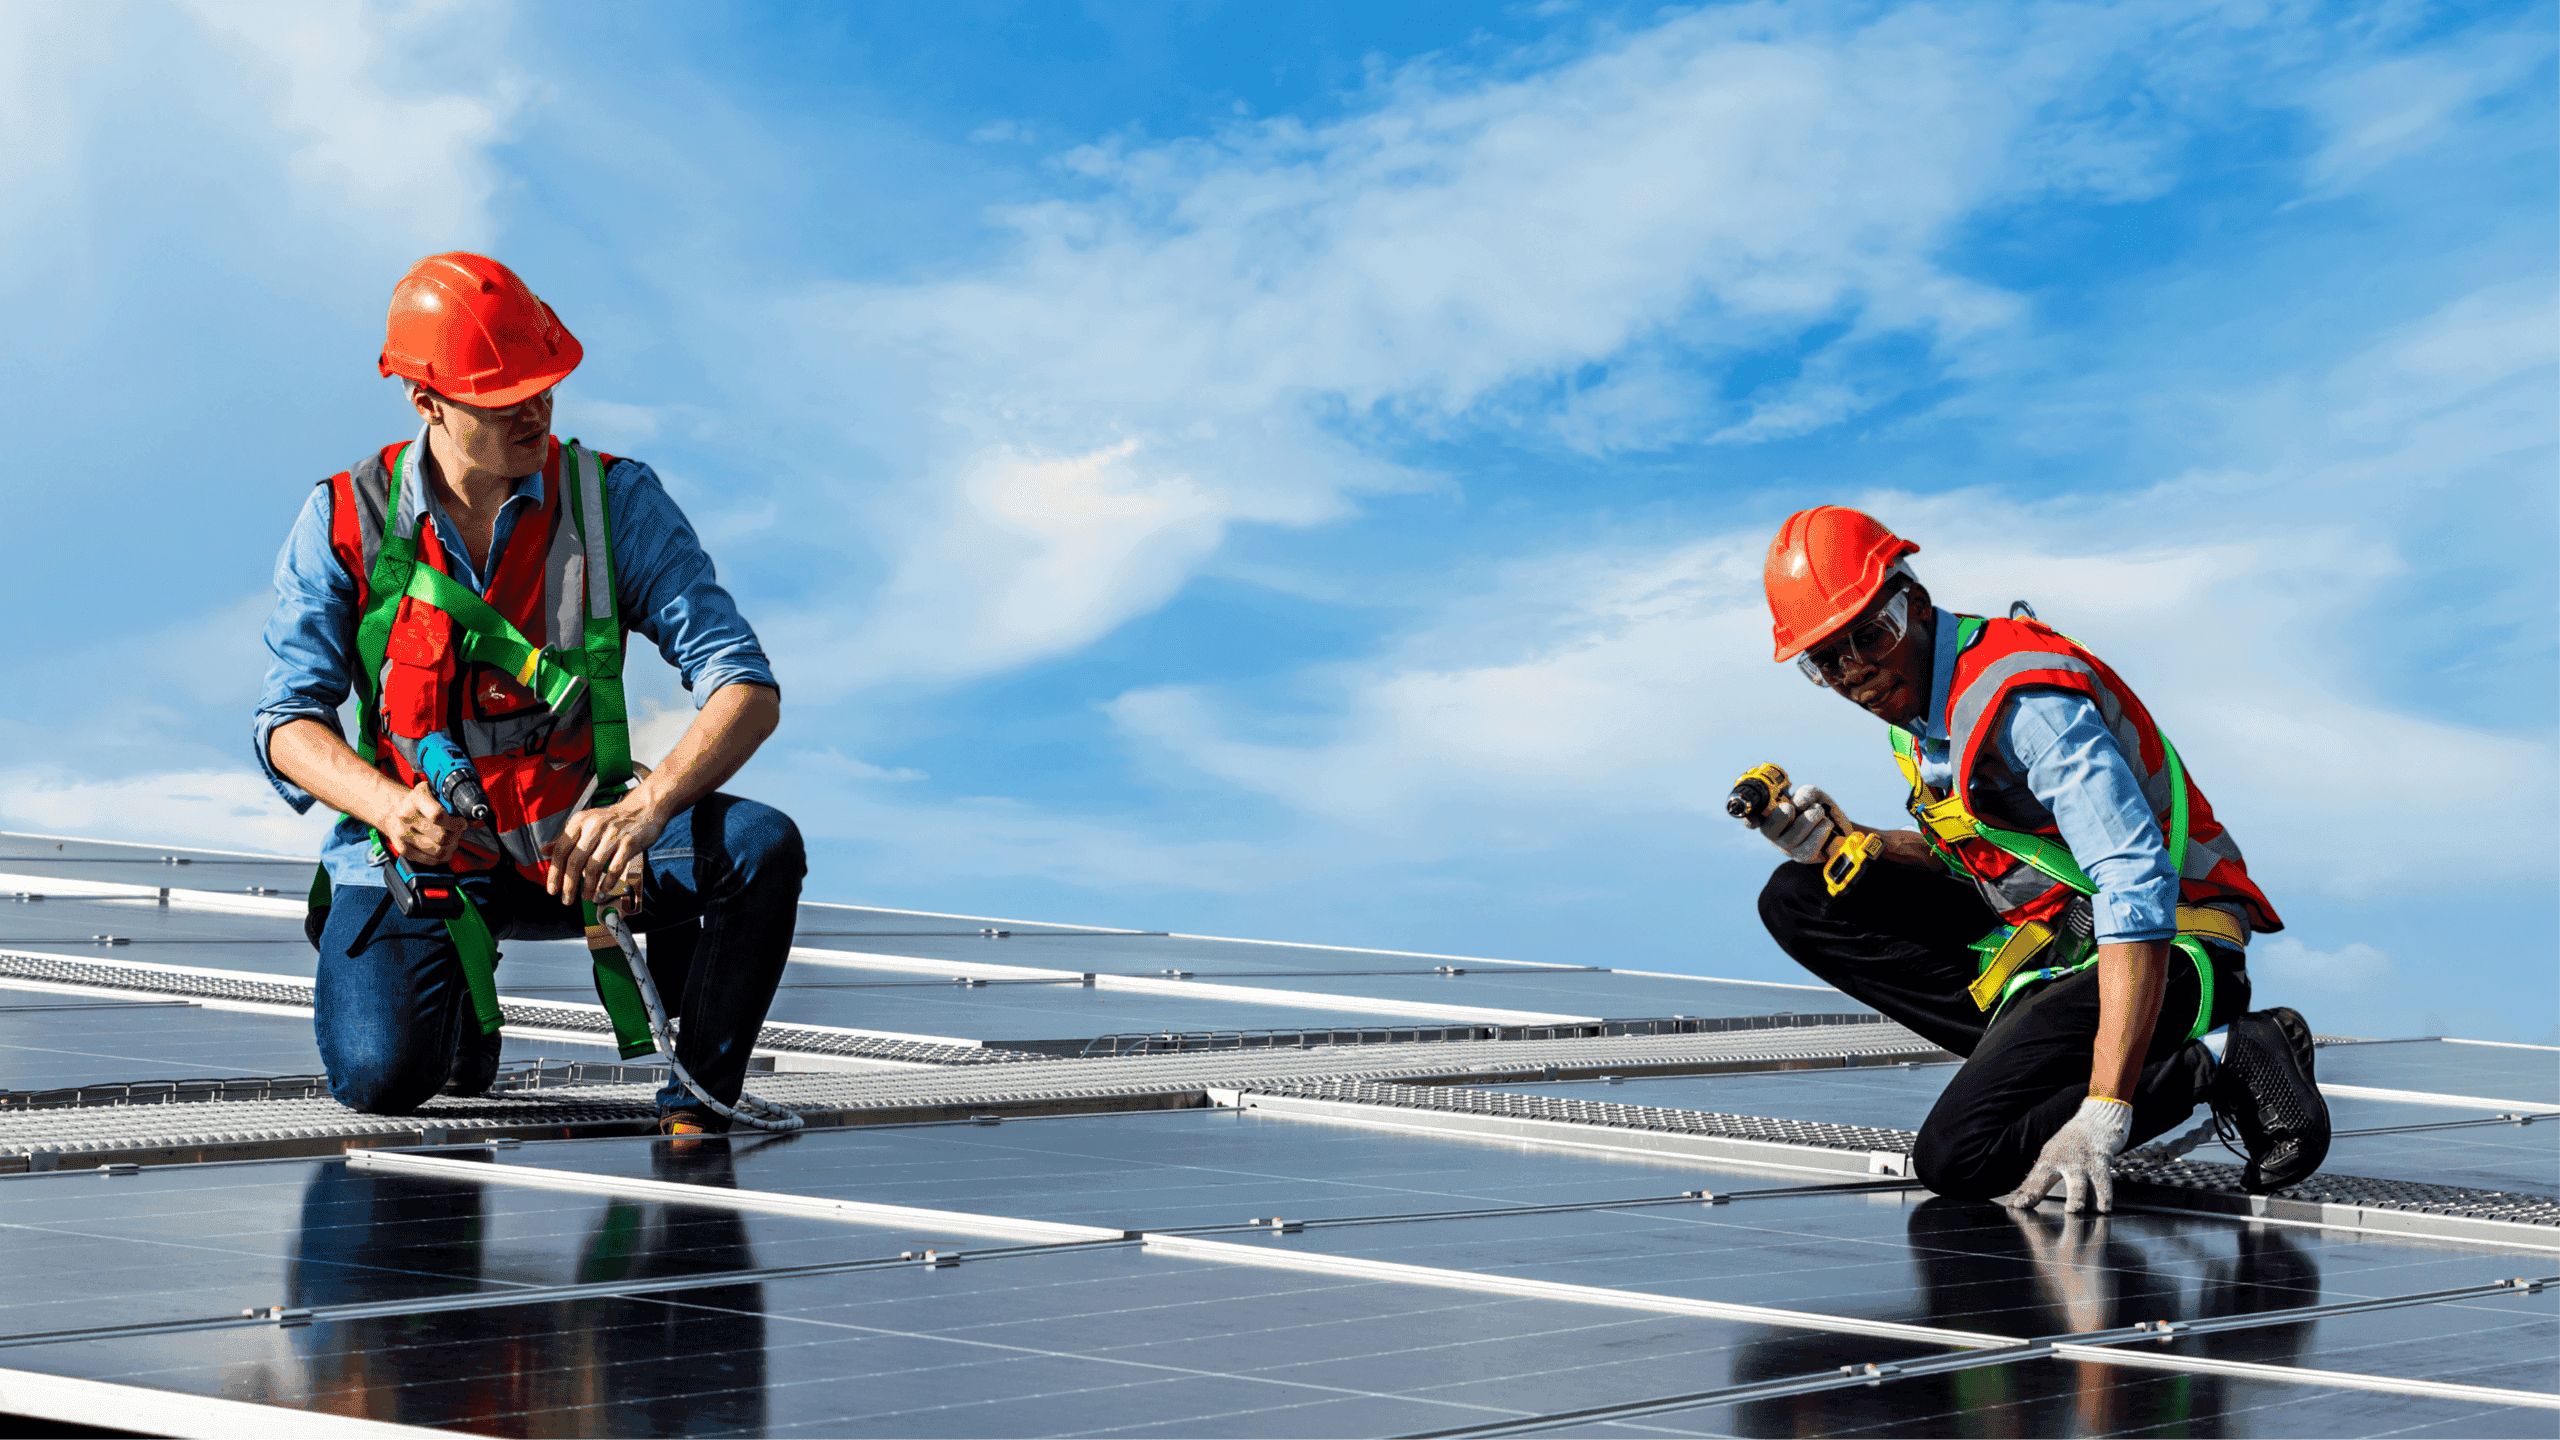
x,y
2069,916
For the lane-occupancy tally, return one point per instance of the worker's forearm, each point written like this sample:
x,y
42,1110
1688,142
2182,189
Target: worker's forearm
x,y
724,736
1907,847
2131,977
313,756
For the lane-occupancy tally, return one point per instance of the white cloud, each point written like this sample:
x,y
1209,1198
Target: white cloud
x,y
218,809
381,114
1595,688
1214,337
388,110
2402,105
2283,965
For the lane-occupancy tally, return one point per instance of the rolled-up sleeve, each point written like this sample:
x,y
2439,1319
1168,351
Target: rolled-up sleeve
x,y
670,592
2072,764
310,639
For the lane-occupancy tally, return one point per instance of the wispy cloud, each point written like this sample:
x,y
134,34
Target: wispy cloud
x,y
1235,329
1594,686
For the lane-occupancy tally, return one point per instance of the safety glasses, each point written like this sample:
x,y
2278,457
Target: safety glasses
x,y
1867,642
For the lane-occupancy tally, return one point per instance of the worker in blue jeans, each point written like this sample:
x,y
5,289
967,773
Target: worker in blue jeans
x,y
473,588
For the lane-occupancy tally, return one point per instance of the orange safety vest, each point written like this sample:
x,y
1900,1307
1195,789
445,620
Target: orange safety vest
x,y
526,674
2000,658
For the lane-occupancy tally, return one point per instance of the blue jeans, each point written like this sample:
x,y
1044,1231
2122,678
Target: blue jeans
x,y
721,902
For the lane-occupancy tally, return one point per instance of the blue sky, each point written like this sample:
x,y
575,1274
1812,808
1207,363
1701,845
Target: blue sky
x,y
1301,470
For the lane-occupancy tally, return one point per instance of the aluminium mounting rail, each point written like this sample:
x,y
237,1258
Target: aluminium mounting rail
x,y
1802,1146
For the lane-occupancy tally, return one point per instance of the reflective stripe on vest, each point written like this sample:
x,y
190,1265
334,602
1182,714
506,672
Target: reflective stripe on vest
x,y
1998,659
572,681
535,750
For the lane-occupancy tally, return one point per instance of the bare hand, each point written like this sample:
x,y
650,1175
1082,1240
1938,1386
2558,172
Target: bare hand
x,y
600,847
420,831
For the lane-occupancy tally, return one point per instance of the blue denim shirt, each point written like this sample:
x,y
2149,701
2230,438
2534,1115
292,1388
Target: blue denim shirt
x,y
2055,763
663,582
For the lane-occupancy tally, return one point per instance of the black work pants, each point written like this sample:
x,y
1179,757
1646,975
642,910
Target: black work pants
x,y
1901,941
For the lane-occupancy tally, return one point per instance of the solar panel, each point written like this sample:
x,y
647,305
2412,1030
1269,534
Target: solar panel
x,y
1067,1182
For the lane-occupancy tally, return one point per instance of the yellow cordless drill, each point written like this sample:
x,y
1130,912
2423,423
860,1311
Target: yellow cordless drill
x,y
1844,858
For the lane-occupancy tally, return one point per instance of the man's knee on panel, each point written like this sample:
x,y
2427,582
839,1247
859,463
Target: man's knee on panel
x,y
394,1079
1962,1167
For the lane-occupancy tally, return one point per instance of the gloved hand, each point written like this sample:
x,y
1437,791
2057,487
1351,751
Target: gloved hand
x,y
1800,825
2077,1156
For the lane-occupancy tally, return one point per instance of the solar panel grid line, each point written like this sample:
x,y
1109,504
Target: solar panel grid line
x,y
2509,1121
2305,1375
2104,1342
523,1293
1322,1000
155,854
1083,1357
176,897
857,1212
928,965
1227,1251
2427,1097
68,1400
1643,1202
2499,1044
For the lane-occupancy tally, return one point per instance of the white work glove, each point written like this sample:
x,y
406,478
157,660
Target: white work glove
x,y
2077,1156
1799,825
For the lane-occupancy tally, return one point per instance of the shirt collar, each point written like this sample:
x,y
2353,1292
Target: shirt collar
x,y
1932,724
415,499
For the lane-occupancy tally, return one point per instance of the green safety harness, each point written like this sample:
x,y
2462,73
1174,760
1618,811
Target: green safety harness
x,y
482,635
2004,953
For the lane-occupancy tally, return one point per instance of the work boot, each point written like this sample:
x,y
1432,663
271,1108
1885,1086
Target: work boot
x,y
475,1061
2265,1090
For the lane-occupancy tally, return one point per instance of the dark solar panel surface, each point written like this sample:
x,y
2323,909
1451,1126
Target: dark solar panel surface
x,y
1116,1340
1108,1341
1912,1258
180,1244
1157,1170
1586,992
2046,1398
145,865
2448,1067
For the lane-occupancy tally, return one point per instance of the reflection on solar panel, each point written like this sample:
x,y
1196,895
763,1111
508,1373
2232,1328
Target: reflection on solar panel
x,y
1061,1180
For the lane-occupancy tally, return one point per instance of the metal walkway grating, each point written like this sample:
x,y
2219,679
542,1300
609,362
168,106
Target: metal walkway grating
x,y
2191,1176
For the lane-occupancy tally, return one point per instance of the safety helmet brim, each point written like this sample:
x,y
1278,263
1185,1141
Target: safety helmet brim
x,y
1826,565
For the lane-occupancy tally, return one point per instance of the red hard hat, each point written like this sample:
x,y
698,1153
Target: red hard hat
x,y
1826,565
465,327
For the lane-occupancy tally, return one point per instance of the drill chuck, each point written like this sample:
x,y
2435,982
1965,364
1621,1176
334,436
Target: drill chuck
x,y
452,777
1759,788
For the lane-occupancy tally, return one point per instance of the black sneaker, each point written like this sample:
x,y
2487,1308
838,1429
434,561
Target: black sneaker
x,y
2266,1092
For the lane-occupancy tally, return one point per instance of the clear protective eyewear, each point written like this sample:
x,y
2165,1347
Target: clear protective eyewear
x,y
1867,642
537,403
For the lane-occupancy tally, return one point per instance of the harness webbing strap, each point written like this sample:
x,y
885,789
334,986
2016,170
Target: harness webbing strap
x,y
484,636
582,476
1947,819
392,562
618,988
479,955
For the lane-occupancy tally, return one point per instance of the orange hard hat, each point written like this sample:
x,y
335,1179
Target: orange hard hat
x,y
1827,564
465,327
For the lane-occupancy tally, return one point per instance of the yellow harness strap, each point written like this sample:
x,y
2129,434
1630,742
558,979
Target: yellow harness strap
x,y
2212,922
2024,943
